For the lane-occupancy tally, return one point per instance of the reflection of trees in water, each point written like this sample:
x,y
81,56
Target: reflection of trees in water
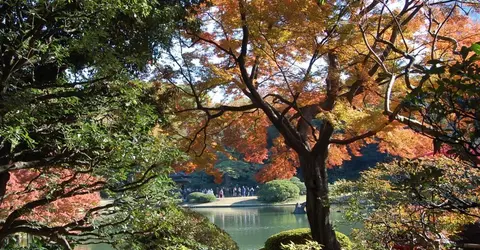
x,y
266,217
300,218
253,217
238,217
251,226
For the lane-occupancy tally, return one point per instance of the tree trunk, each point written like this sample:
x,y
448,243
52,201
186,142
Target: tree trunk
x,y
4,177
318,206
5,148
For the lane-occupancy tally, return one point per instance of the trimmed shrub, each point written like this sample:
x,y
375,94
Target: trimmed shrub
x,y
301,236
297,236
197,197
300,185
278,191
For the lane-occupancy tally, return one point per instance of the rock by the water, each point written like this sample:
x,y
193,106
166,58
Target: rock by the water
x,y
300,208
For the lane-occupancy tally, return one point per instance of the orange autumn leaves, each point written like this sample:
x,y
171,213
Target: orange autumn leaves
x,y
283,163
247,134
282,37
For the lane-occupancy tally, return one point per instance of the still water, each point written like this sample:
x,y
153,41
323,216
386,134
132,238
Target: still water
x,y
251,226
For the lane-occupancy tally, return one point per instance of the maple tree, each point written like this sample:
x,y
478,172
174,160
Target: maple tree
x,y
330,76
27,185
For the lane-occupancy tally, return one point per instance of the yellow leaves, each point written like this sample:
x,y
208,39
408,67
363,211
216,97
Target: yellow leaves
x,y
229,44
354,120
157,131
229,79
222,73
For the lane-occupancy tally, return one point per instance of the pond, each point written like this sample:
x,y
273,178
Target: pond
x,y
251,226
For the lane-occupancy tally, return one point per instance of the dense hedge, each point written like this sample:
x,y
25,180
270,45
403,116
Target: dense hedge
x,y
278,191
197,197
301,236
300,185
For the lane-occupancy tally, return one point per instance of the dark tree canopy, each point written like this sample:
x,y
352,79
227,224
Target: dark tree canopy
x,y
72,113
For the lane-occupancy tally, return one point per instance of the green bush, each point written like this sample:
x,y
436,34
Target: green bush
x,y
300,185
175,228
197,197
301,236
344,241
278,191
297,236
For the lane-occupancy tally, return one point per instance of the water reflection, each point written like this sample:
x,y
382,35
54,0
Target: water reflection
x,y
253,218
251,226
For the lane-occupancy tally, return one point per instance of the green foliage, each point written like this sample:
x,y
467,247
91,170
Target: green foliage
x,y
175,228
409,202
309,245
475,48
344,241
301,186
235,167
236,172
300,236
278,191
197,197
450,103
296,236
71,98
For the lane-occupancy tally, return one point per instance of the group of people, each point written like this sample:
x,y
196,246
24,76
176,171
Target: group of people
x,y
222,192
243,191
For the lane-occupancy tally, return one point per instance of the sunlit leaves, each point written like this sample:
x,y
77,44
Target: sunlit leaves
x,y
286,69
401,141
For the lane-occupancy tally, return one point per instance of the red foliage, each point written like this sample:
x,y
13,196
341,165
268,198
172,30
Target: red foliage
x,y
27,185
248,135
283,165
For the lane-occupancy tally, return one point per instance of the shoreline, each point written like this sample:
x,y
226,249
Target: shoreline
x,y
247,201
